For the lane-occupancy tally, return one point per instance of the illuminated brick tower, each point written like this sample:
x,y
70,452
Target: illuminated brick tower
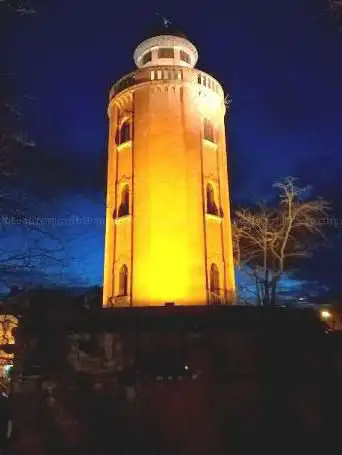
x,y
168,229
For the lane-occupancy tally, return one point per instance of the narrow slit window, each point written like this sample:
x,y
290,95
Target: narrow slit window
x,y
208,132
123,280
211,203
125,132
214,279
124,205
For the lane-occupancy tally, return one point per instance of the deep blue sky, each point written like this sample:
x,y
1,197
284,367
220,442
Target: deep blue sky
x,y
279,61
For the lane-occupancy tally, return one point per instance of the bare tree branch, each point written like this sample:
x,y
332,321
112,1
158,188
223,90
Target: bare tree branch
x,y
269,241
22,7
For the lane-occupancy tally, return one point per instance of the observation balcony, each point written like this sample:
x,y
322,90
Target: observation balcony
x,y
166,73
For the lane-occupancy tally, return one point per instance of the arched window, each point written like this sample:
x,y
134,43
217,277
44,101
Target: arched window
x,y
125,132
123,280
214,279
211,204
208,130
124,205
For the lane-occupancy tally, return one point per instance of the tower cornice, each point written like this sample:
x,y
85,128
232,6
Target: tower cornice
x,y
122,91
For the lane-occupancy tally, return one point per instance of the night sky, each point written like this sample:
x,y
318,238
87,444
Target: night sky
x,y
279,61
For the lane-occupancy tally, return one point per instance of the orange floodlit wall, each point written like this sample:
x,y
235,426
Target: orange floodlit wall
x,y
166,228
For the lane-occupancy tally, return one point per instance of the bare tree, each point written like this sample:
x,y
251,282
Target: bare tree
x,y
30,250
335,9
22,7
270,240
335,5
28,245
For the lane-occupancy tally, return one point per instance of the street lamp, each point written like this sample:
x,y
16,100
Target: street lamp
x,y
325,315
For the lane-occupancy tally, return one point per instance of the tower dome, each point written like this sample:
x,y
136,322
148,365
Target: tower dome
x,y
165,46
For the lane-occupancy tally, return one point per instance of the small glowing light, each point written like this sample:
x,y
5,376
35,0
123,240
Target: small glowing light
x,y
186,367
325,314
7,368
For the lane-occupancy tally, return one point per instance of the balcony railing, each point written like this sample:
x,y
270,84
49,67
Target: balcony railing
x,y
219,297
158,73
122,84
122,300
215,298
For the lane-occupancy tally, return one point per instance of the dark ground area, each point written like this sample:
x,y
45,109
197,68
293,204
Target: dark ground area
x,y
185,381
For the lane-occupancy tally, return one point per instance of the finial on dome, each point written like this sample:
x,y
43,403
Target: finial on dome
x,y
166,21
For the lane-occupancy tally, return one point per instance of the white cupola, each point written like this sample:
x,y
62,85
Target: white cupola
x,y
166,47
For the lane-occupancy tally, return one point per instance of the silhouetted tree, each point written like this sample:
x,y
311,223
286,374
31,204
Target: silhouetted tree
x,y
270,239
29,249
22,7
